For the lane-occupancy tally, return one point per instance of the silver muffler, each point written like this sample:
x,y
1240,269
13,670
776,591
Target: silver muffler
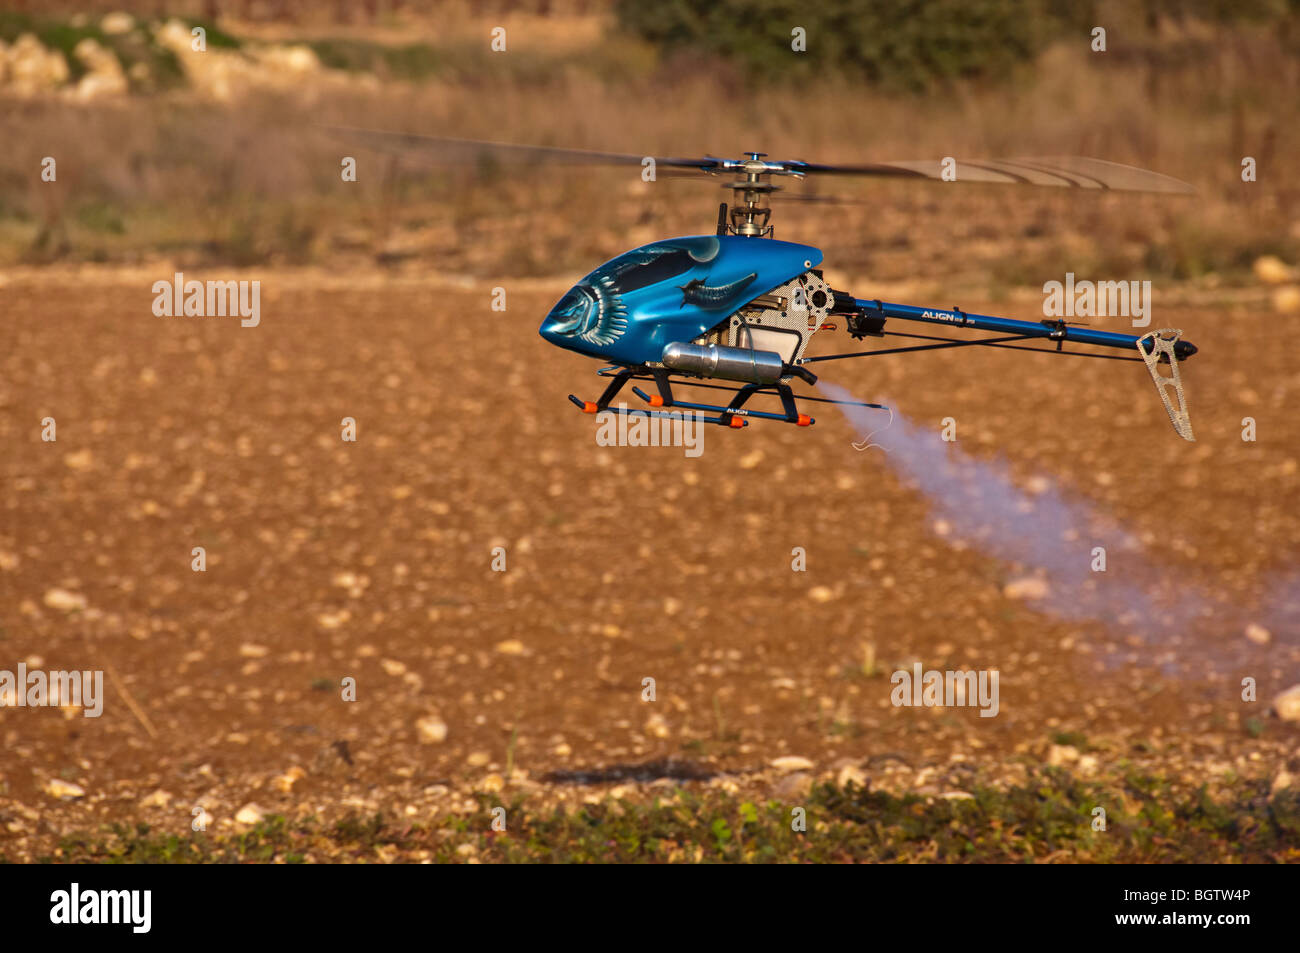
x,y
728,363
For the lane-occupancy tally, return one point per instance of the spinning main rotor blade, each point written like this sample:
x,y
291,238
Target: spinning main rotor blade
x,y
1061,171
470,149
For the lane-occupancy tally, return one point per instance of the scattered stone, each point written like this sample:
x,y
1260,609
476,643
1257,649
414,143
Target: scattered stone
x,y
821,594
64,789
249,650
493,783
852,774
750,460
80,461
115,24
33,69
431,730
249,814
478,759
64,601
1038,485
510,647
159,798
1286,300
392,667
1272,270
793,787
790,763
1026,587
104,75
657,726
1287,705
1059,755
285,782
1258,634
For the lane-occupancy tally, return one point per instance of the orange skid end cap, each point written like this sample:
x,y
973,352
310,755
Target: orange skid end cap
x,y
588,407
803,421
656,401
736,422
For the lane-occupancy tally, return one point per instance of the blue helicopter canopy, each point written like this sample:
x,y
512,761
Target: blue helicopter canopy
x,y
629,308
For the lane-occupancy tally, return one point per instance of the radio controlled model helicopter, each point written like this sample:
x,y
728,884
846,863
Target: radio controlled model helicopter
x,y
741,306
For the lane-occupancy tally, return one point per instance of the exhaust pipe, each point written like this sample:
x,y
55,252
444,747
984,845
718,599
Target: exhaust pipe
x,y
728,363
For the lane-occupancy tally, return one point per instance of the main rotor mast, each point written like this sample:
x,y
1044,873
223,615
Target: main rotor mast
x,y
750,214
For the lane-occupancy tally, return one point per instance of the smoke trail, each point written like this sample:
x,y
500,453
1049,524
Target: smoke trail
x,y
1049,535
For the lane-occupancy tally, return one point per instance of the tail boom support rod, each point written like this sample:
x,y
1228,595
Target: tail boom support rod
x,y
1057,331
1162,348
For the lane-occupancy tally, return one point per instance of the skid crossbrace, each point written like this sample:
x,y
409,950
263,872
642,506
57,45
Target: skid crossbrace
x,y
733,415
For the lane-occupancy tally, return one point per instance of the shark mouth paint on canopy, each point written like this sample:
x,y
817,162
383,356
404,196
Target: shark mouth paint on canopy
x,y
1045,532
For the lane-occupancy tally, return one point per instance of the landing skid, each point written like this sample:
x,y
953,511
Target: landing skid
x,y
734,415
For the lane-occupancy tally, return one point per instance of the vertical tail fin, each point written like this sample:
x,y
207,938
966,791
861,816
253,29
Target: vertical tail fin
x,y
1162,344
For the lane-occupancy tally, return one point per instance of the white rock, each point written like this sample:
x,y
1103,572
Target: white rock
x,y
851,773
1058,755
790,763
114,24
1258,634
432,730
159,798
657,726
286,781
249,814
64,789
1026,587
1272,270
64,601
1287,705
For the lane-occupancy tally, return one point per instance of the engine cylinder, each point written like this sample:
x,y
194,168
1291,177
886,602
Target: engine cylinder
x,y
728,363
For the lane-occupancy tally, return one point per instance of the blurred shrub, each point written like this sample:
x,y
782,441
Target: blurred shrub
x,y
902,44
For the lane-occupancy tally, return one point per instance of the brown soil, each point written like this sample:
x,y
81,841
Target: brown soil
x,y
373,560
